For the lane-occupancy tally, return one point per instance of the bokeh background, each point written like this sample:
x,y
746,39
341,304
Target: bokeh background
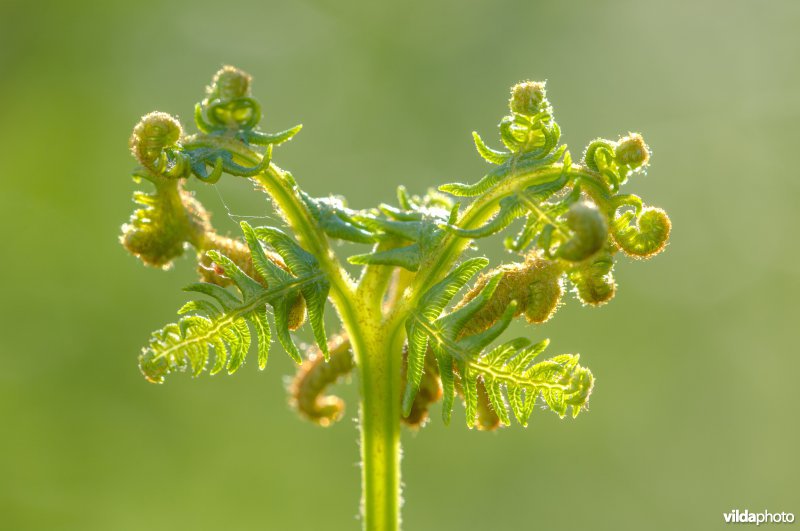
x,y
696,408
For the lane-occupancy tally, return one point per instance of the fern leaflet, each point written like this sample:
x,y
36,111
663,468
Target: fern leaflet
x,y
226,327
560,381
430,306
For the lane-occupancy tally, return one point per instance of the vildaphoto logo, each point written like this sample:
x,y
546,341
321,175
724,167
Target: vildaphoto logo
x,y
746,517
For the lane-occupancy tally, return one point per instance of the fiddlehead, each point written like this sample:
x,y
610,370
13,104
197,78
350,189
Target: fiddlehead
x,y
593,281
536,285
315,375
458,339
171,217
230,108
571,231
646,237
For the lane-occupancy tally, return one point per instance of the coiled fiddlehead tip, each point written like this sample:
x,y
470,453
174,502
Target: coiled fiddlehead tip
x,y
590,228
230,82
307,389
535,285
544,291
632,151
645,238
595,147
154,369
593,280
170,218
528,98
154,132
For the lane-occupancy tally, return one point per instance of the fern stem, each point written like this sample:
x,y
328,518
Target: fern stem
x,y
380,369
373,284
378,358
275,183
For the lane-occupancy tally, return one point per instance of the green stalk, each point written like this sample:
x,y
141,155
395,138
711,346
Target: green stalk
x,y
379,367
378,358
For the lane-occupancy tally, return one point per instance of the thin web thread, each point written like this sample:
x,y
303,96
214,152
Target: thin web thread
x,y
238,217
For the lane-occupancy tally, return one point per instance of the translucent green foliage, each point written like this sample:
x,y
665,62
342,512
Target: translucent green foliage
x,y
510,166
556,220
158,144
336,219
401,316
428,393
228,117
560,381
528,201
430,307
312,282
444,335
222,161
571,212
572,221
414,230
530,133
226,326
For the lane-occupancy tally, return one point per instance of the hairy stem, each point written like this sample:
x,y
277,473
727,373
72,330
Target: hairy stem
x,y
379,360
276,183
379,364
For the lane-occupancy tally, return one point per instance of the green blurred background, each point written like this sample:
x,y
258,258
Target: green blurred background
x,y
696,409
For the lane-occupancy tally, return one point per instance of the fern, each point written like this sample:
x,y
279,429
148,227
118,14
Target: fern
x,y
560,381
497,175
406,331
430,307
226,327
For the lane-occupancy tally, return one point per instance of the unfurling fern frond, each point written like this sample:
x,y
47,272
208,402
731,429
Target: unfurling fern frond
x,y
239,253
509,167
414,228
308,387
429,392
560,381
336,219
226,327
536,286
170,218
571,221
430,307
593,280
458,340
646,237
